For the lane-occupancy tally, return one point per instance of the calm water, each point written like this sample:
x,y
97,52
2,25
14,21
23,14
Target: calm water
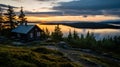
x,y
98,33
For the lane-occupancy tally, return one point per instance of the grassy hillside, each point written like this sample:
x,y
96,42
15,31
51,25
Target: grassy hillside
x,y
32,57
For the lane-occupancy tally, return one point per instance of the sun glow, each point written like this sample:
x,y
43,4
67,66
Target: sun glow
x,y
73,18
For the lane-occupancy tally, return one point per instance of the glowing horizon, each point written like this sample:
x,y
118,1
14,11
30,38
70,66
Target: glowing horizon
x,y
89,18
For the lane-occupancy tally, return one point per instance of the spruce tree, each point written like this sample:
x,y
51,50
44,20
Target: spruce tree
x,y
88,35
75,35
22,17
43,35
82,36
11,16
47,32
90,40
70,37
57,34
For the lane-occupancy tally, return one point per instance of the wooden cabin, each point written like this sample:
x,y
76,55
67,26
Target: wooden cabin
x,y
27,32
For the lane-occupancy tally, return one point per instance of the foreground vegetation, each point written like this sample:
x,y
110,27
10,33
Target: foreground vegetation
x,y
105,62
33,57
38,56
109,45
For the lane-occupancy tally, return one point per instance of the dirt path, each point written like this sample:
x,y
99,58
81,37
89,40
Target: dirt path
x,y
74,56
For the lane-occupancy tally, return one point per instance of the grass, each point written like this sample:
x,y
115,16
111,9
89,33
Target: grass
x,y
46,51
11,56
102,61
40,43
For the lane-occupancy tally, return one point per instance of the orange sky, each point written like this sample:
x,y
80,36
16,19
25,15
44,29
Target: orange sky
x,y
67,7
72,18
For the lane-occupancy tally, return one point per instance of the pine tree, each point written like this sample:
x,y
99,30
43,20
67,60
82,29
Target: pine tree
x,y
88,35
47,32
57,34
82,37
22,17
43,35
90,40
75,35
70,37
11,16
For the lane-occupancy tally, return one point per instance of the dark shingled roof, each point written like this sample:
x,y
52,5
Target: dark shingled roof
x,y
24,29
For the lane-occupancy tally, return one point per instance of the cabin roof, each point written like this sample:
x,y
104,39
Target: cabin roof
x,y
24,29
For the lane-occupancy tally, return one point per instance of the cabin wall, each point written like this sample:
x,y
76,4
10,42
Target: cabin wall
x,y
20,36
34,33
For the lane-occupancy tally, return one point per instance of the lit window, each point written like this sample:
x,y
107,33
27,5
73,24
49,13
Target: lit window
x,y
31,35
38,33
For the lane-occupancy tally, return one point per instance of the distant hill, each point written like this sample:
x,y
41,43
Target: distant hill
x,y
92,25
111,22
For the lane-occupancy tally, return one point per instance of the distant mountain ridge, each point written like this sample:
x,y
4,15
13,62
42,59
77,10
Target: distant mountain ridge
x,y
92,25
111,22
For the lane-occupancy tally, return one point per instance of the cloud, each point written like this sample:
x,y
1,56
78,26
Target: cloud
x,y
89,6
45,0
16,0
43,14
35,0
5,6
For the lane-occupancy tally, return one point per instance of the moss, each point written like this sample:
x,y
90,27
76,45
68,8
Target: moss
x,y
102,61
46,51
32,57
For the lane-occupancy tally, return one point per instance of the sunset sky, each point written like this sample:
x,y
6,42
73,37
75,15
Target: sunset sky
x,y
66,10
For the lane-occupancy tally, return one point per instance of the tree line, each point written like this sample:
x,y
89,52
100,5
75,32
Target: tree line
x,y
86,42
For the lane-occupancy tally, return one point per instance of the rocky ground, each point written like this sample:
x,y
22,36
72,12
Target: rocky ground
x,y
86,58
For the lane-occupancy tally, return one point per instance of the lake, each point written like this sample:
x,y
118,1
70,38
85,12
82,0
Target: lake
x,y
98,33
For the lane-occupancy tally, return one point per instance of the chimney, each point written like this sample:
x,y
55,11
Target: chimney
x,y
25,23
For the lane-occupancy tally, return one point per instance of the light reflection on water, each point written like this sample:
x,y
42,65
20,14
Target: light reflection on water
x,y
98,33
